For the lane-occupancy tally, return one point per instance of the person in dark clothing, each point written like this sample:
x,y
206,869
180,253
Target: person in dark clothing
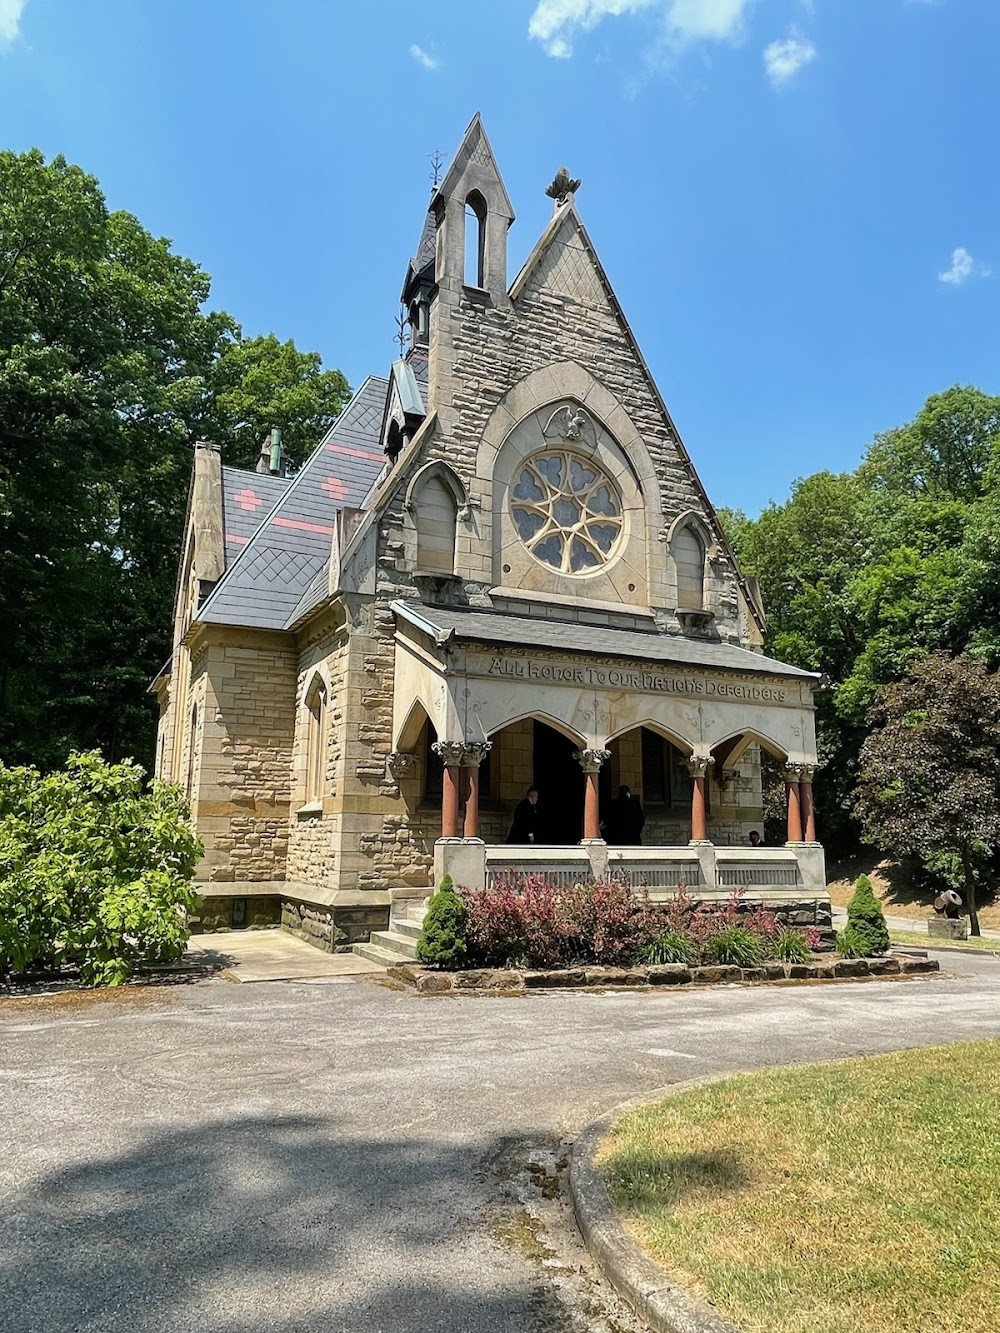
x,y
626,820
526,826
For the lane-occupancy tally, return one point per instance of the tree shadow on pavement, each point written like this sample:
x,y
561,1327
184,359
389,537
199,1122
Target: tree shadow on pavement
x,y
255,1223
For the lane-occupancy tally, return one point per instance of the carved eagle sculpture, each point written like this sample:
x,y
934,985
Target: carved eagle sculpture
x,y
562,187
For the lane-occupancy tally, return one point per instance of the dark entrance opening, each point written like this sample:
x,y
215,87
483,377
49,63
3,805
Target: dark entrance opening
x,y
559,779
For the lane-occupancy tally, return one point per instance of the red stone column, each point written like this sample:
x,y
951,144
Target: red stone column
x,y
806,802
472,757
794,833
590,761
698,766
450,753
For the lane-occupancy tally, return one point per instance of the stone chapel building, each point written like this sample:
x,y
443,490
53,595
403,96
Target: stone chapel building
x,y
498,569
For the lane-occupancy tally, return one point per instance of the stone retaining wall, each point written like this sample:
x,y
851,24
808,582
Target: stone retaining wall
x,y
514,981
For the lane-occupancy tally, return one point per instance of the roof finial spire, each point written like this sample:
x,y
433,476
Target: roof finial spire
x,y
401,334
437,162
562,188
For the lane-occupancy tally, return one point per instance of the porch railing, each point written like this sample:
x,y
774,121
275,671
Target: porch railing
x,y
706,868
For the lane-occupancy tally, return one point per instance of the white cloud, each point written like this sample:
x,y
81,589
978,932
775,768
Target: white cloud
x,y
554,21
783,60
10,20
418,53
963,267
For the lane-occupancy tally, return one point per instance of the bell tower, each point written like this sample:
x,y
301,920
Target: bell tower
x,y
472,214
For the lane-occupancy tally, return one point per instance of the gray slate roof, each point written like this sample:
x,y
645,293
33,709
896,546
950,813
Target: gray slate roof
x,y
247,499
497,627
281,567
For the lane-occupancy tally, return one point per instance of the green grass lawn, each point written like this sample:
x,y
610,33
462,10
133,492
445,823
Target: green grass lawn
x,y
827,1199
919,939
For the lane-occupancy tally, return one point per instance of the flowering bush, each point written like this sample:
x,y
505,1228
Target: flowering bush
x,y
524,920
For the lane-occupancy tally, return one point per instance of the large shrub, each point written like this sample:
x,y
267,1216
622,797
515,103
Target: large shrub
x,y
866,932
525,920
95,869
442,937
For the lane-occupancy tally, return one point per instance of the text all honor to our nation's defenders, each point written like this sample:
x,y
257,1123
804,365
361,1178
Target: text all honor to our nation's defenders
x,y
648,680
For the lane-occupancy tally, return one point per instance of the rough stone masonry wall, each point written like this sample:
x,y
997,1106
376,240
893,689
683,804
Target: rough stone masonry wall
x,y
561,315
313,842
380,847
244,776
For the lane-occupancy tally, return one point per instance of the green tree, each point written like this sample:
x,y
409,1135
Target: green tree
x,y
258,383
864,573
110,369
929,781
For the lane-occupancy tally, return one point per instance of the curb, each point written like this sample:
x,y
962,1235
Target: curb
x,y
640,1283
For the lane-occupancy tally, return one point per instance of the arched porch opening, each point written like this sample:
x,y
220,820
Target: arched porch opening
x,y
534,751
651,761
748,776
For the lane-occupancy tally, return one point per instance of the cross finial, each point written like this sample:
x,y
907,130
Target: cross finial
x,y
437,162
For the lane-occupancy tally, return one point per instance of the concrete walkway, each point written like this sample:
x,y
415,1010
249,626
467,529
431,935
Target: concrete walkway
x,y
303,1158
272,955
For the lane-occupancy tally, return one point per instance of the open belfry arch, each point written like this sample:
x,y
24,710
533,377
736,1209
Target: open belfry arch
x,y
497,569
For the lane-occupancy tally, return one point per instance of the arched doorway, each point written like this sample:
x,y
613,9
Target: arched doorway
x,y
559,779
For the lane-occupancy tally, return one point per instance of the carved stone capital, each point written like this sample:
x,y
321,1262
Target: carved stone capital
x,y
475,753
449,752
807,772
797,772
699,764
591,760
400,763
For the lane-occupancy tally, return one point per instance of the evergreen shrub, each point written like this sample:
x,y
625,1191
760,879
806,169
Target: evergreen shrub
x,y
442,941
865,921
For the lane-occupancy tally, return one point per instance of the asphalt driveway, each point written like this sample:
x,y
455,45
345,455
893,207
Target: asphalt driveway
x,y
303,1157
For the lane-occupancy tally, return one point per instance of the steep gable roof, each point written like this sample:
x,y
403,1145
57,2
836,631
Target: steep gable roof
x,y
283,559
247,499
564,259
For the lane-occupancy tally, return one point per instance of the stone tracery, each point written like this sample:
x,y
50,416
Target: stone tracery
x,y
566,511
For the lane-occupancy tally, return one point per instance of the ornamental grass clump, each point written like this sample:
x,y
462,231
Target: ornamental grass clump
x,y
866,932
442,940
790,946
672,946
735,945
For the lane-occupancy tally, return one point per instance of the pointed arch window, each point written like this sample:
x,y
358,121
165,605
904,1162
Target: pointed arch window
x,y
688,551
475,240
437,519
192,751
316,730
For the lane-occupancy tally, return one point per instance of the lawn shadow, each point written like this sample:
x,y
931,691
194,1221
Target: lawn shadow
x,y
637,1177
250,1223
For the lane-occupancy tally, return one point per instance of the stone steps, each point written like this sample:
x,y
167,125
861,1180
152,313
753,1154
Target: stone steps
x,y
403,945
376,954
398,944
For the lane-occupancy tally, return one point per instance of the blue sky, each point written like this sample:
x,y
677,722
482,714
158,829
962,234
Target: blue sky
x,y
796,200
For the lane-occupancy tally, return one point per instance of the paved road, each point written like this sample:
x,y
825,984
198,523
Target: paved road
x,y
300,1158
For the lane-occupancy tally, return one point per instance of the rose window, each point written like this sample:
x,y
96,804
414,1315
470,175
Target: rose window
x,y
566,512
